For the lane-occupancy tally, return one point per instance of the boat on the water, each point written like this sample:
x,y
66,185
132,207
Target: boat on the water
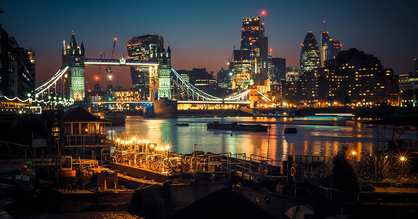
x,y
290,130
182,124
237,127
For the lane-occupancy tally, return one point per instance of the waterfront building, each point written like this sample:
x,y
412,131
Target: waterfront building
x,y
252,57
309,54
291,92
312,89
17,68
85,133
73,82
278,70
359,78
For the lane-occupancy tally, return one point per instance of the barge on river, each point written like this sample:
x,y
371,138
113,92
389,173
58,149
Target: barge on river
x,y
237,127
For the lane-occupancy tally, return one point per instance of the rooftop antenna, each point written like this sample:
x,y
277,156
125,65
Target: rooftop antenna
x,y
324,26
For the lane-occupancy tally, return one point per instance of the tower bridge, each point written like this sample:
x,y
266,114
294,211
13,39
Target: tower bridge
x,y
161,79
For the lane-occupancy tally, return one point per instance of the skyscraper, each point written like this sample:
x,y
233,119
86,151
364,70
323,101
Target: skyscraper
x,y
278,70
252,57
415,67
309,55
329,47
141,48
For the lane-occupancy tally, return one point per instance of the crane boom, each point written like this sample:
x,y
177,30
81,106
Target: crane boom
x,y
114,44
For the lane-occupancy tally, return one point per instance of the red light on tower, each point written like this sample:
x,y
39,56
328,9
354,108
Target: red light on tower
x,y
271,50
263,12
250,38
262,23
116,39
96,78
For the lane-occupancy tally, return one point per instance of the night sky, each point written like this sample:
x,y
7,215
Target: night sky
x,y
203,33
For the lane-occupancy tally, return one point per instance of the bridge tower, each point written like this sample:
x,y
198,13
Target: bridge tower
x,y
73,57
164,74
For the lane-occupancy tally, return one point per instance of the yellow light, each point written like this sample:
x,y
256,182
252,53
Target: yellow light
x,y
157,148
353,153
152,146
123,142
162,148
143,141
167,146
147,142
403,158
139,141
134,138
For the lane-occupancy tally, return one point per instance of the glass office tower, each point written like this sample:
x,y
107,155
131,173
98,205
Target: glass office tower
x,y
309,55
142,48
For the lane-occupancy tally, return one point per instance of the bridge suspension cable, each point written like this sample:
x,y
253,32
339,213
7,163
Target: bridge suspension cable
x,y
194,90
190,89
50,81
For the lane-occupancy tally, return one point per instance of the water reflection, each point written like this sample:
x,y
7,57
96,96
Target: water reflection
x,y
319,138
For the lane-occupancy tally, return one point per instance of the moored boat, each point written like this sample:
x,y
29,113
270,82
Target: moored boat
x,y
290,130
237,127
182,124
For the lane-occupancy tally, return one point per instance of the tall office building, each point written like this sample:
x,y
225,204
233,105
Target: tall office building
x,y
415,67
329,47
252,57
309,55
141,48
73,57
278,70
17,68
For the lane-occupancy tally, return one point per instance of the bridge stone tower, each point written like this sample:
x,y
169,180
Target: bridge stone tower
x,y
73,57
164,73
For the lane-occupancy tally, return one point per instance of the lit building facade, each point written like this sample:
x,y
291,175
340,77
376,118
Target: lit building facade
x,y
252,57
329,47
17,68
359,78
415,67
309,55
73,57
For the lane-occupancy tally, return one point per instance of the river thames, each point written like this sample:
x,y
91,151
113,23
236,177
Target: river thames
x,y
315,136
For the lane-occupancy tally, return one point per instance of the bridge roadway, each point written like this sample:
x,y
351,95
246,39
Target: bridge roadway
x,y
178,102
119,62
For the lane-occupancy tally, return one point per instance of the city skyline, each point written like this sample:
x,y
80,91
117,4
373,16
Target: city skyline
x,y
202,35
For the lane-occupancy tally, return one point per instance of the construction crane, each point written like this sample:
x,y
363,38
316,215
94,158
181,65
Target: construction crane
x,y
109,69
